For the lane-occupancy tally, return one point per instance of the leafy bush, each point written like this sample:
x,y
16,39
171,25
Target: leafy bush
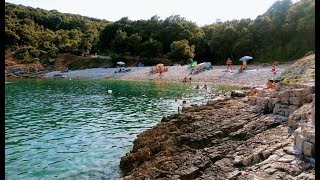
x,y
86,62
309,53
182,50
155,61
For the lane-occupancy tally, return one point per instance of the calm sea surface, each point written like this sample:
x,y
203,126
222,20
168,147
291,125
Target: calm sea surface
x,y
75,129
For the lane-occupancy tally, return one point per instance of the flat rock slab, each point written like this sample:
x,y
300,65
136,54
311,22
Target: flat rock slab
x,y
287,158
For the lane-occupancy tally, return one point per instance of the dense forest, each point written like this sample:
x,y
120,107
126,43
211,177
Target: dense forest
x,y
285,32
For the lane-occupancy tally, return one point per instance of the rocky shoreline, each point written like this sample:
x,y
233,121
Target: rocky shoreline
x,y
268,136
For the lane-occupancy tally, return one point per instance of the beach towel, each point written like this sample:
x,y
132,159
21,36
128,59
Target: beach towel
x,y
278,78
193,65
252,70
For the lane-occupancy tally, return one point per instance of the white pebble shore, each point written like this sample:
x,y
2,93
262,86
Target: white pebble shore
x,y
254,76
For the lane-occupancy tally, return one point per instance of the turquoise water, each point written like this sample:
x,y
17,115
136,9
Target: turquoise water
x,y
75,129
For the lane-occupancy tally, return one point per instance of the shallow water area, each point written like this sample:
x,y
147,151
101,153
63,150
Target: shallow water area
x,y
61,129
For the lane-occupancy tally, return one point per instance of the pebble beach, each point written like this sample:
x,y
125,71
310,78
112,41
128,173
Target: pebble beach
x,y
252,76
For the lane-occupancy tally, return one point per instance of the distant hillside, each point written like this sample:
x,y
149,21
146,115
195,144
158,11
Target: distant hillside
x,y
34,34
286,31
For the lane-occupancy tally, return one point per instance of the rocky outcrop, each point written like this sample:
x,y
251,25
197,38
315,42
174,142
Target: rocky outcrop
x,y
267,136
302,122
225,139
284,101
24,70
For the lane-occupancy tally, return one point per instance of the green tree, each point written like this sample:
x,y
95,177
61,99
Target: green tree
x,y
151,48
133,43
119,42
181,50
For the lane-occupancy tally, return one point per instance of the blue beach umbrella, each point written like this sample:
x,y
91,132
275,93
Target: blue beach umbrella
x,y
245,58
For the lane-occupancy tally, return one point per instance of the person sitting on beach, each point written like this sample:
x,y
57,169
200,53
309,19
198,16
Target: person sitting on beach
x,y
190,79
253,92
229,62
198,87
241,69
270,84
160,73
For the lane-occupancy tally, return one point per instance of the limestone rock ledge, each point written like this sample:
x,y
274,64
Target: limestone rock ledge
x,y
230,138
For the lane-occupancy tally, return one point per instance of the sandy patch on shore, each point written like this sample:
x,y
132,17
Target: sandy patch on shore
x,y
254,76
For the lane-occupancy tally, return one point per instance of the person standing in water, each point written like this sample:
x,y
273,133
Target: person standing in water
x,y
184,104
205,87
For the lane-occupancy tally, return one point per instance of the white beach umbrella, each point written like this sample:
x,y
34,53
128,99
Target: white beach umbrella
x,y
121,63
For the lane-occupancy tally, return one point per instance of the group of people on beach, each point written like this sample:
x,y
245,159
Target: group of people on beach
x,y
122,70
244,65
229,67
270,84
159,69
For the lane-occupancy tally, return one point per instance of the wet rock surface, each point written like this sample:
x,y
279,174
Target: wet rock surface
x,y
225,139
